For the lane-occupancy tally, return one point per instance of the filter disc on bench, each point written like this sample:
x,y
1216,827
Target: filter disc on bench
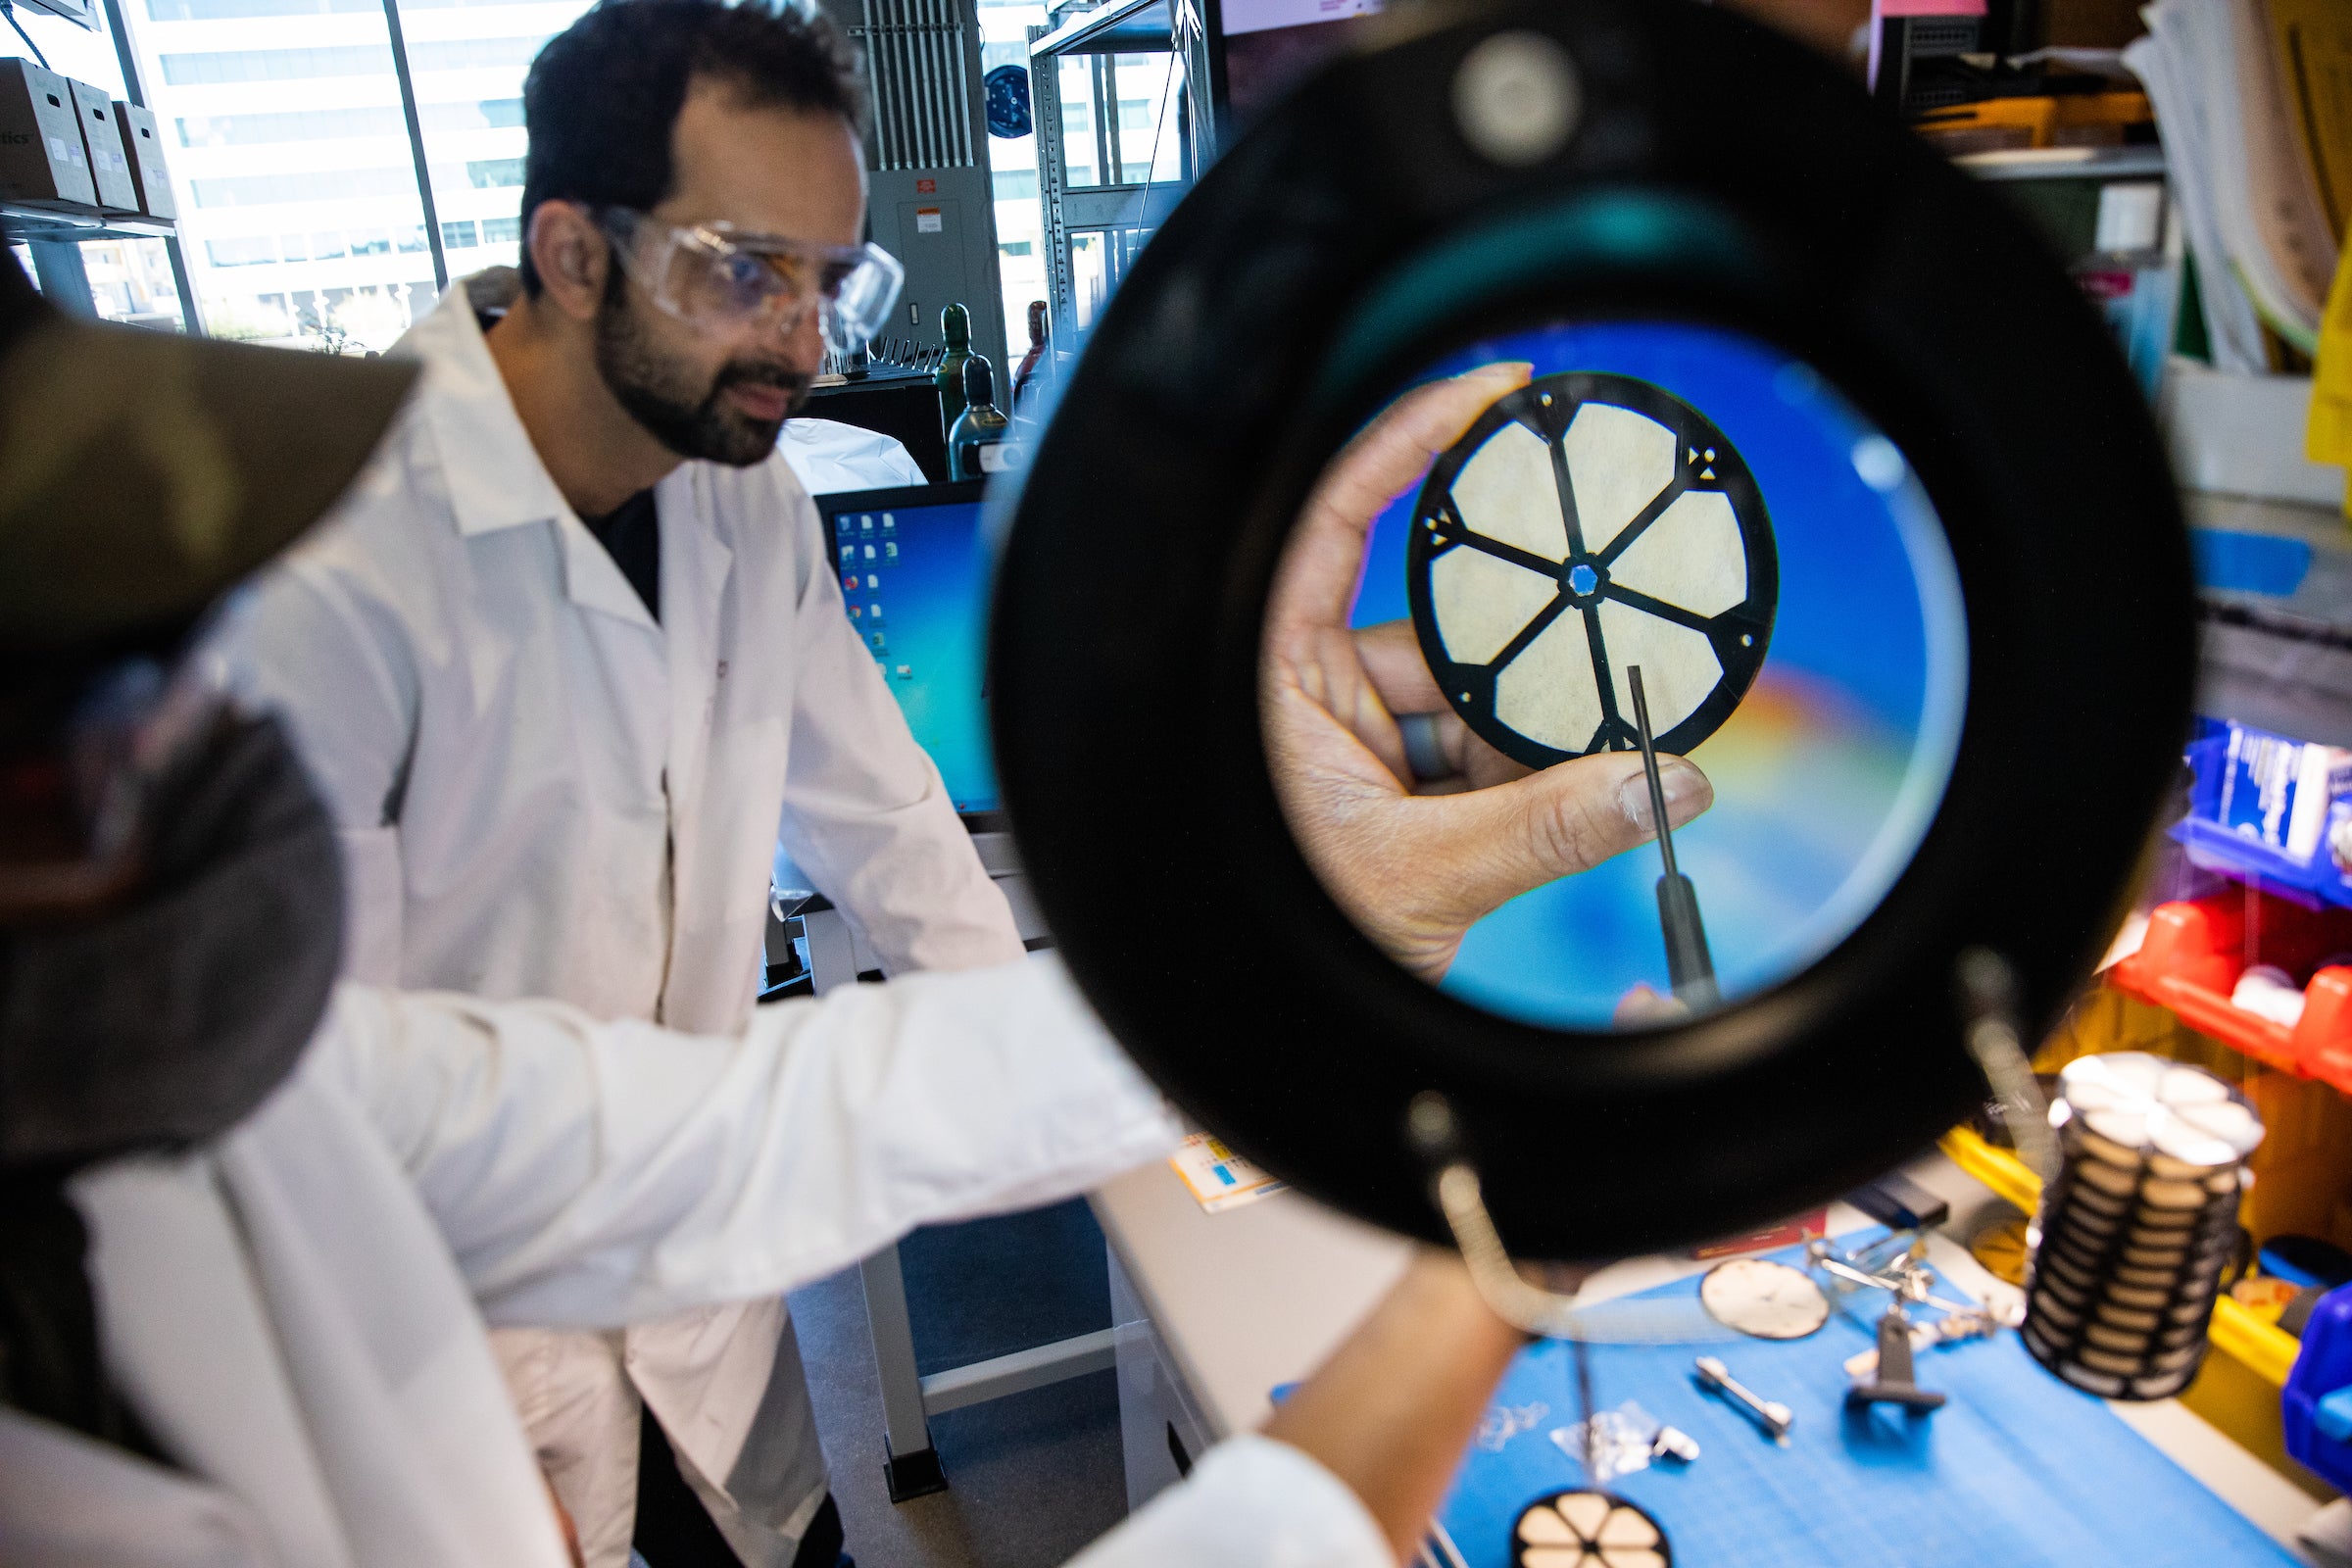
x,y
1764,1299
1587,522
1584,1529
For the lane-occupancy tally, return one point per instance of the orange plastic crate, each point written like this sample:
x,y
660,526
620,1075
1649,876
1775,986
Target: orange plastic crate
x,y
2195,950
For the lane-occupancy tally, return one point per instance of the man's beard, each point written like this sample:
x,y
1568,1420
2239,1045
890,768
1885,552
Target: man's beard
x,y
660,394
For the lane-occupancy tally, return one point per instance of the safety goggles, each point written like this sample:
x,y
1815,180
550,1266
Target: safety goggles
x,y
716,278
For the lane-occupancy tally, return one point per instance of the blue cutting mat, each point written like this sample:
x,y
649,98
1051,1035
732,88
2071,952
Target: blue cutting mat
x,y
2018,1470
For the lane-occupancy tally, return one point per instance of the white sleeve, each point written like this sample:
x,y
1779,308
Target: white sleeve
x,y
591,1174
1250,1502
865,814
333,671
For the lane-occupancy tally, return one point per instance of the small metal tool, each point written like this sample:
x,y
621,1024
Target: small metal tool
x,y
1907,1276
1981,1323
1773,1416
1688,965
1892,1380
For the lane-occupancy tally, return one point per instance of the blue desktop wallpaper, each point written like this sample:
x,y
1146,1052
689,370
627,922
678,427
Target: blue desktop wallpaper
x,y
930,635
1827,775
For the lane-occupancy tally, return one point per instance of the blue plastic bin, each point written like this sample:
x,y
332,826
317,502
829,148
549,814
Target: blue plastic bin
x,y
2317,1405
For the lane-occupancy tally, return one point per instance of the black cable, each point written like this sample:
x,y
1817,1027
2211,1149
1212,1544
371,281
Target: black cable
x,y
8,9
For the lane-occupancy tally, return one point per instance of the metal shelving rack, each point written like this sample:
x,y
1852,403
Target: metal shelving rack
x,y
1124,213
55,238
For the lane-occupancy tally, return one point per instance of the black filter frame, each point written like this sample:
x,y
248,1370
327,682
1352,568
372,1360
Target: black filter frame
x,y
1740,636
1718,174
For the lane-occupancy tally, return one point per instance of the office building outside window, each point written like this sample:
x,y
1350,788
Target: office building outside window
x,y
300,213
1013,170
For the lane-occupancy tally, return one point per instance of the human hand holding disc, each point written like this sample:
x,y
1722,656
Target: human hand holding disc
x,y
1415,871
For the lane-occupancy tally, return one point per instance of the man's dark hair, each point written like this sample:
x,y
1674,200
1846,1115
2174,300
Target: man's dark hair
x,y
604,94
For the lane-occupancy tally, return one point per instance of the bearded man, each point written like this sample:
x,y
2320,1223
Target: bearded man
x,y
569,660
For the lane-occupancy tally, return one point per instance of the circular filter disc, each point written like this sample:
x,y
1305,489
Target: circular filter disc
x,y
1764,1299
1587,522
1588,1530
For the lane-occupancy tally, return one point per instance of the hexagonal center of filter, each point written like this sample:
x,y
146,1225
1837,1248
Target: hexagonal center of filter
x,y
1584,580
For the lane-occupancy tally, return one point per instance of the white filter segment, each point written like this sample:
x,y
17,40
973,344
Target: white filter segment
x,y
1618,461
1547,692
1692,558
2194,1127
2181,1087
1544,1527
1481,602
1679,667
1506,492
1555,1558
2118,1125
1585,1512
2117,1078
2144,1101
1625,1528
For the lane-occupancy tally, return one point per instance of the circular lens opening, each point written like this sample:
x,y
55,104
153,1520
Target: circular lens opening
x,y
1667,521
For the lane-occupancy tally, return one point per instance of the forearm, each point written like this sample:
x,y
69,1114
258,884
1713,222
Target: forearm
x,y
1394,1409
591,1174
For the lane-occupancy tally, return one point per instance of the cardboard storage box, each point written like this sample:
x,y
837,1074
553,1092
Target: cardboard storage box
x,y
143,138
102,139
42,161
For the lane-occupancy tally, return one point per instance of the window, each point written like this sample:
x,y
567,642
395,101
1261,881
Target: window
x,y
1081,152
232,10
486,113
1012,163
1145,88
474,54
305,125
276,65
244,251
345,60
289,113
237,10
321,186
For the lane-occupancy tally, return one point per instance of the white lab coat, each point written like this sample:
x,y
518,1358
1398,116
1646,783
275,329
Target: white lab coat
x,y
295,1311
542,792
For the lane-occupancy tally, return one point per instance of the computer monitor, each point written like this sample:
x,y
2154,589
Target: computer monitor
x,y
914,569
1270,45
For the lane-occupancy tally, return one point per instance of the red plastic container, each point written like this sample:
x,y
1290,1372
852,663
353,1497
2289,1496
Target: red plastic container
x,y
2194,952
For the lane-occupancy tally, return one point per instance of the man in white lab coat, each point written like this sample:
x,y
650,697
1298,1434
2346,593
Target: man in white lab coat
x,y
569,659
253,1221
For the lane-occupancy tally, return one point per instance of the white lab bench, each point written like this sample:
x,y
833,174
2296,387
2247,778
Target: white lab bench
x,y
1212,1311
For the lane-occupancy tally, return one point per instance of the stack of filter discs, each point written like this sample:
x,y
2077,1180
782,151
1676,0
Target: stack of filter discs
x,y
2139,1224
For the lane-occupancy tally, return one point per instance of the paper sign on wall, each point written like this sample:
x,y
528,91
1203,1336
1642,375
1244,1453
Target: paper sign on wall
x,y
927,221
